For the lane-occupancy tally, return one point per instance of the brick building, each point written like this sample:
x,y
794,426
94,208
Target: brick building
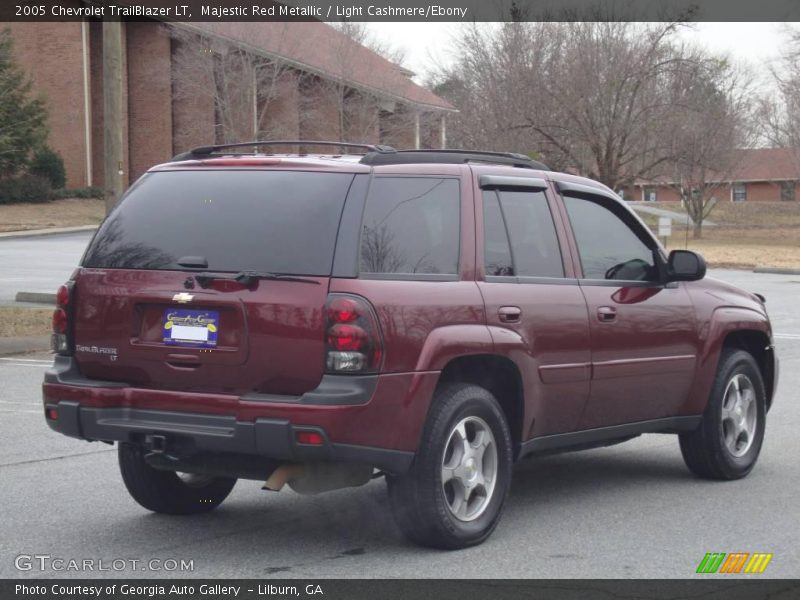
x,y
183,87
761,174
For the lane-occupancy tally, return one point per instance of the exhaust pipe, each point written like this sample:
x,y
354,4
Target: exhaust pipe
x,y
315,478
282,475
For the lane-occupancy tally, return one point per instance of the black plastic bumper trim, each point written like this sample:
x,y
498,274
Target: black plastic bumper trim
x,y
190,433
338,390
65,372
591,436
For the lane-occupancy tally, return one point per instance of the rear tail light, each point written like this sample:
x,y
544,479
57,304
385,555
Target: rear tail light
x,y
352,337
60,321
62,326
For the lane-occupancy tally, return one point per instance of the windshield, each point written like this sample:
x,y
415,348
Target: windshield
x,y
272,221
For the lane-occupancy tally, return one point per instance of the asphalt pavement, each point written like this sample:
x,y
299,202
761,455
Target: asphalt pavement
x,y
38,264
631,510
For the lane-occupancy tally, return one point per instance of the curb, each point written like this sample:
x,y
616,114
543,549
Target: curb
x,y
51,231
21,344
777,270
36,297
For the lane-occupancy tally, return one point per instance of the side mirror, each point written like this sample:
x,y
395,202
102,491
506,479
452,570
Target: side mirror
x,y
685,265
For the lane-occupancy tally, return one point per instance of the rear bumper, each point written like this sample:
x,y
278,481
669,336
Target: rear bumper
x,y
187,434
374,420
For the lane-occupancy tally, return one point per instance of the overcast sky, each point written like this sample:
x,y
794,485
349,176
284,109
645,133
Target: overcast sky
x,y
427,43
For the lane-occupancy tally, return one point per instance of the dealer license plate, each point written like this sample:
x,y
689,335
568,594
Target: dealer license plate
x,y
185,327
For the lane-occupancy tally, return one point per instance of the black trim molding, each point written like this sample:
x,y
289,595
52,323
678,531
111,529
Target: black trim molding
x,y
495,182
587,437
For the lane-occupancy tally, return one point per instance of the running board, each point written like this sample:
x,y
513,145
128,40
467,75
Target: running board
x,y
601,436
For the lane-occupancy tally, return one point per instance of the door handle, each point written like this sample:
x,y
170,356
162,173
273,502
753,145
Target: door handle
x,y
606,314
183,362
509,314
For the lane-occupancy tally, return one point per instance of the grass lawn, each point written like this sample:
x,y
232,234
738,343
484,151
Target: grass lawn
x,y
746,235
25,321
70,212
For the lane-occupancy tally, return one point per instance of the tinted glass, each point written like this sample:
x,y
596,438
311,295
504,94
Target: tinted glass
x,y
411,225
534,243
496,251
276,221
608,248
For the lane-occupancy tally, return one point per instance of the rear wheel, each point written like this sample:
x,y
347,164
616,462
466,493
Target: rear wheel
x,y
453,495
167,491
727,443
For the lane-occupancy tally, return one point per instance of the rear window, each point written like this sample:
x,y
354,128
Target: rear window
x,y
275,221
411,226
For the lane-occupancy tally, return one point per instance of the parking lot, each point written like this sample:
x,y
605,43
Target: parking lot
x,y
38,264
631,510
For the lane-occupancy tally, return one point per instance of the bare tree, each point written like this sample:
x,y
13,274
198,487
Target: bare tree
x,y
254,94
360,33
594,98
378,250
363,114
710,123
780,109
247,90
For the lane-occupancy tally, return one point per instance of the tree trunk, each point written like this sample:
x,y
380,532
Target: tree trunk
x,y
697,232
112,113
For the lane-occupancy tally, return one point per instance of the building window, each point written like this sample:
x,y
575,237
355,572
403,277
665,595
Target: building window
x,y
739,192
650,195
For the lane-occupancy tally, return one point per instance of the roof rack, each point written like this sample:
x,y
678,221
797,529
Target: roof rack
x,y
404,157
206,151
376,154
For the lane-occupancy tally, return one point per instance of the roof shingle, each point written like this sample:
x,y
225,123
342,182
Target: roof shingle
x,y
751,164
319,48
767,164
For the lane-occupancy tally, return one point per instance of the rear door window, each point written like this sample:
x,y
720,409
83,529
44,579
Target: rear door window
x,y
274,221
523,217
496,248
411,226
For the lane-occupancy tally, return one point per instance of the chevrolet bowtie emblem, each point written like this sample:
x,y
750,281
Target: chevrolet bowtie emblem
x,y
182,298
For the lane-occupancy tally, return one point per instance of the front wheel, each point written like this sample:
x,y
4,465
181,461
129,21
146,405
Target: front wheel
x,y
728,441
453,495
167,491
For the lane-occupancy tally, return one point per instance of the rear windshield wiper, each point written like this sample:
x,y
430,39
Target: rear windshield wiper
x,y
248,278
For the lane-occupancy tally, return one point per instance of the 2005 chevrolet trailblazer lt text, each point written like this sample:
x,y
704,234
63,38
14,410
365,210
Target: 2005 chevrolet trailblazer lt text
x,y
427,316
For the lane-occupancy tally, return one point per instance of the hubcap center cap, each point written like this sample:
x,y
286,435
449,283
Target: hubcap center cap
x,y
471,467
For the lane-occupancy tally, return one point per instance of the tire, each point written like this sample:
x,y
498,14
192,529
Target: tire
x,y
425,501
166,491
727,447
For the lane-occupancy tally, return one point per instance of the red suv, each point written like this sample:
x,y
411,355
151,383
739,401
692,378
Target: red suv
x,y
430,316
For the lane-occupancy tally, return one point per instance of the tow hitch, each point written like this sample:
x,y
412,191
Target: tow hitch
x,y
155,443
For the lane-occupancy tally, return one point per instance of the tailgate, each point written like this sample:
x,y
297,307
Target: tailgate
x,y
268,338
148,308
